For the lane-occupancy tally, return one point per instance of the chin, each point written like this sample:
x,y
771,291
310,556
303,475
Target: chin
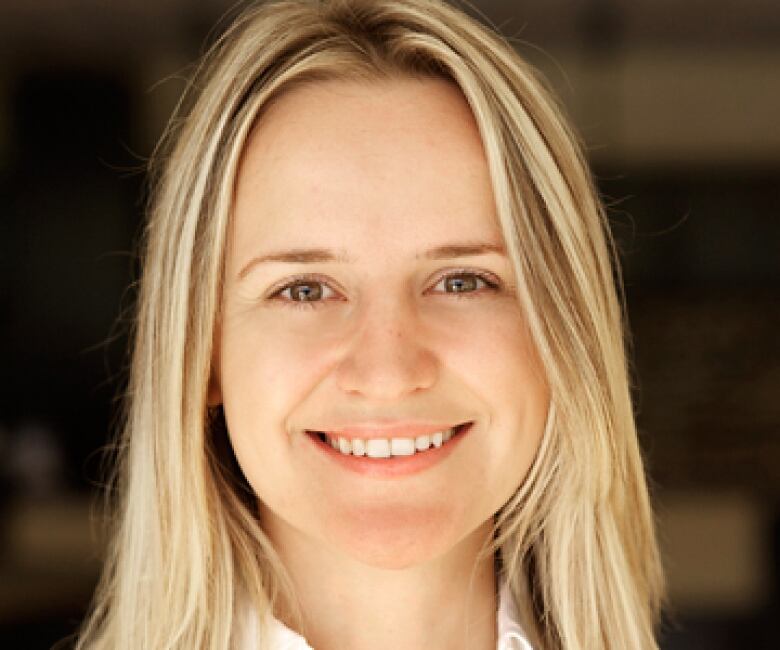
x,y
394,540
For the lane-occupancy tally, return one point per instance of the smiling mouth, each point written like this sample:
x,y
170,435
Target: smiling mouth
x,y
390,447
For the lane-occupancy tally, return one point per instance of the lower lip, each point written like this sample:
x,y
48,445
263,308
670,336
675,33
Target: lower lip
x,y
395,466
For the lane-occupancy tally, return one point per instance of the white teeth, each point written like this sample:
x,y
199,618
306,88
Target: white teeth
x,y
402,446
378,448
359,447
385,448
421,443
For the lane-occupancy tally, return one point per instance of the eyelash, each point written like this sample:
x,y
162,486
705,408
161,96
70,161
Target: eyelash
x,y
490,281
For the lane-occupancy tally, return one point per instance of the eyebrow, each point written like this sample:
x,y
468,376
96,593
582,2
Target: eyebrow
x,y
313,255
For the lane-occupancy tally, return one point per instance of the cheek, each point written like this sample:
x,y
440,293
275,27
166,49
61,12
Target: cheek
x,y
507,373
492,347
267,362
264,373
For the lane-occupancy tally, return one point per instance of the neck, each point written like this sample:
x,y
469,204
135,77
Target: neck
x,y
446,602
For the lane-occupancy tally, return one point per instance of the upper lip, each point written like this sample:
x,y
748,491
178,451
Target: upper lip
x,y
387,429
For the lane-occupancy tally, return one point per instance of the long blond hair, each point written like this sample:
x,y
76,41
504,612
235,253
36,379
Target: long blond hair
x,y
576,543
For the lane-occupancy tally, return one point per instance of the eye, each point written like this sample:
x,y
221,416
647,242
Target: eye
x,y
303,292
464,283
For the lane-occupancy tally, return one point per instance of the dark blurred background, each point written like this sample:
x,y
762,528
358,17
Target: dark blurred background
x,y
678,105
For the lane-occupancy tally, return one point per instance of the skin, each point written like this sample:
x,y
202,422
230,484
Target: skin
x,y
381,171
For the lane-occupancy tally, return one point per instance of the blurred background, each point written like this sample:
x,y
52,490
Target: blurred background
x,y
677,102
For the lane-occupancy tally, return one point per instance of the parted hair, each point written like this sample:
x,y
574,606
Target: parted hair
x,y
576,543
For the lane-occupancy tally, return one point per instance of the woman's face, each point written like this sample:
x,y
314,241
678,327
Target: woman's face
x,y
367,294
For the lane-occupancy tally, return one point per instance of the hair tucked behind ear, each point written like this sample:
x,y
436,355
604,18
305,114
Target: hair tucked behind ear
x,y
576,543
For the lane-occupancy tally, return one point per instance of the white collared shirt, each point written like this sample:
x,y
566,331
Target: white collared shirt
x,y
510,634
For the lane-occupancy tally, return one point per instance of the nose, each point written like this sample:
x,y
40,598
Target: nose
x,y
387,355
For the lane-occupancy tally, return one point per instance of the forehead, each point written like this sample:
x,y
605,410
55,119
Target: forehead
x,y
385,159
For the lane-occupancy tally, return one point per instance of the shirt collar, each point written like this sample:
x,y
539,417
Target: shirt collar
x,y
510,633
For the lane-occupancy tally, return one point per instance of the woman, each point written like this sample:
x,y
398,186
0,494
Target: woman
x,y
379,394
